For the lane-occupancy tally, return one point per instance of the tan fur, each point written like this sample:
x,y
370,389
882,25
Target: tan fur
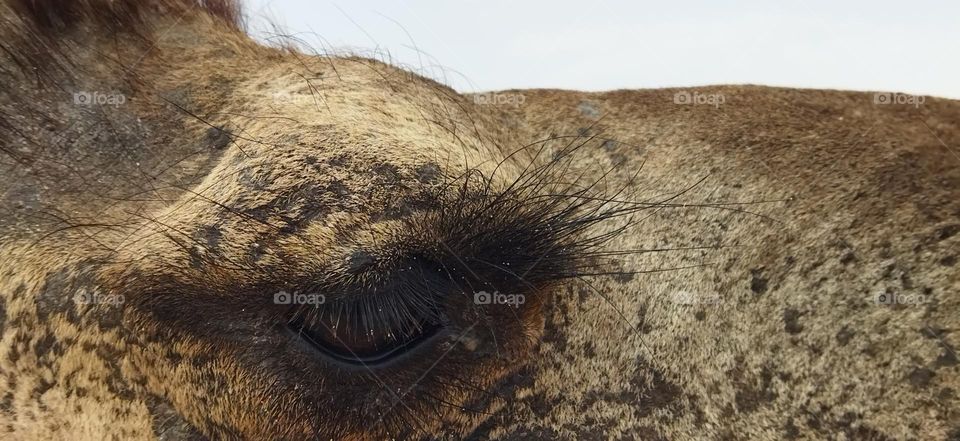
x,y
783,338
817,200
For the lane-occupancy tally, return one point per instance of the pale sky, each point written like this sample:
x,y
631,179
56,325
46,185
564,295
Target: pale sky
x,y
472,45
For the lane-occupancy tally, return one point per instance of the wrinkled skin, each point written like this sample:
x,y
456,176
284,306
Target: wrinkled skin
x,y
728,291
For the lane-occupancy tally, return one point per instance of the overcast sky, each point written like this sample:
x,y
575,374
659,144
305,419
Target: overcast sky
x,y
473,45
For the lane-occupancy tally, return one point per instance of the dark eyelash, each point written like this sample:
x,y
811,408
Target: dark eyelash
x,y
405,305
397,312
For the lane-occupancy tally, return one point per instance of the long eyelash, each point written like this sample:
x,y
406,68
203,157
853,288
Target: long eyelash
x,y
551,218
403,310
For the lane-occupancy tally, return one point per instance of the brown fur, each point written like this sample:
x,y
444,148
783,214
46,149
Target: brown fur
x,y
233,170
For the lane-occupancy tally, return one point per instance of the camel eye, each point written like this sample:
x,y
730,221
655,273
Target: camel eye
x,y
355,334
372,327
